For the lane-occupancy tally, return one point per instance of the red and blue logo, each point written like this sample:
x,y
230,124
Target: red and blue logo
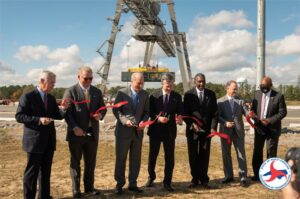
x,y
275,173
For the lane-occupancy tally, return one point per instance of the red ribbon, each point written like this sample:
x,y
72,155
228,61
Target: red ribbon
x,y
74,101
221,135
248,118
150,122
117,105
193,118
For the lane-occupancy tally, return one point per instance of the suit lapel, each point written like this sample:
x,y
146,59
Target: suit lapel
x,y
80,95
194,91
129,93
272,94
39,100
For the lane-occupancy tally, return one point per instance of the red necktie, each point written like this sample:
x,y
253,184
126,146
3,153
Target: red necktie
x,y
46,101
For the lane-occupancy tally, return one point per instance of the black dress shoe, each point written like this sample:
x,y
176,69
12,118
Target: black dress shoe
x,y
50,197
168,187
193,185
227,180
135,189
205,185
150,183
94,192
243,183
77,195
255,178
119,191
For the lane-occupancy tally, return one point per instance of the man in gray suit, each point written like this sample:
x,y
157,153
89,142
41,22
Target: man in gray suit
x,y
231,110
83,130
129,133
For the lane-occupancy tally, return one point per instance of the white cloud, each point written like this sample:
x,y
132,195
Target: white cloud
x,y
289,45
221,49
6,68
221,20
29,53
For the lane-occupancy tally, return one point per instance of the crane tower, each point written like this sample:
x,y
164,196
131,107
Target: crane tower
x,y
149,29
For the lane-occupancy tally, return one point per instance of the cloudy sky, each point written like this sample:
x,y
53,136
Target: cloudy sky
x,y
62,35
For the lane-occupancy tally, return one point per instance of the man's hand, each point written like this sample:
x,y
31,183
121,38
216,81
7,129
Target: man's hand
x,y
97,116
195,127
229,124
63,105
162,119
265,122
129,123
179,120
140,128
45,120
79,132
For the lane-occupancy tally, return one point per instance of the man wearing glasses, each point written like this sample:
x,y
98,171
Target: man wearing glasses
x,y
83,130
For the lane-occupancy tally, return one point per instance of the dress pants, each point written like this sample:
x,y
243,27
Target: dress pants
x,y
38,166
199,151
259,141
169,147
86,147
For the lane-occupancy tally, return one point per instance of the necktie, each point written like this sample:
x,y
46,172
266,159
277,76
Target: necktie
x,y
231,104
87,97
166,101
263,104
46,101
135,100
201,97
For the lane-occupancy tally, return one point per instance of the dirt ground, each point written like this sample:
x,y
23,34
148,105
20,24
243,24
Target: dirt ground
x,y
13,161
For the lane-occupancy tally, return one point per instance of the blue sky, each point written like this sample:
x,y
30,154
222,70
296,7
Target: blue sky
x,y
61,35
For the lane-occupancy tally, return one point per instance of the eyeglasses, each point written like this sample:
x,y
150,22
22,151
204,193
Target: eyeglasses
x,y
87,78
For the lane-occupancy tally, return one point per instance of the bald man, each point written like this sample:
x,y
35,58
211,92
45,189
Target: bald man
x,y
270,108
129,134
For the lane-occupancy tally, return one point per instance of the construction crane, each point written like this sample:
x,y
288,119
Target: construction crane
x,y
150,29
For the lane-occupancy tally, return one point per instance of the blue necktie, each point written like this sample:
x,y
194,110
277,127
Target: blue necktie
x,y
135,100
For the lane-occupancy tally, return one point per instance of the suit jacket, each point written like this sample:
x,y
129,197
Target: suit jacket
x,y
31,108
226,115
207,112
275,113
79,114
127,111
174,107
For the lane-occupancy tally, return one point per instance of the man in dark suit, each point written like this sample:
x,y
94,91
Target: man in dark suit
x,y
164,130
270,108
37,111
83,130
200,103
129,132
231,111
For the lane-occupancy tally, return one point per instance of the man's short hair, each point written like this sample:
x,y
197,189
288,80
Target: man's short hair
x,y
199,75
85,68
167,77
230,82
46,74
134,75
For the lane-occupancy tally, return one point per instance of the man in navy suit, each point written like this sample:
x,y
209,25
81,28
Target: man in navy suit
x,y
164,130
37,111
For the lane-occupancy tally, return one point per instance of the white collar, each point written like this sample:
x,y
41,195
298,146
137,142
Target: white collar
x,y
199,91
230,97
165,93
83,87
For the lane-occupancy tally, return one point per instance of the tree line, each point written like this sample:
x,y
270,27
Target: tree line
x,y
246,91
